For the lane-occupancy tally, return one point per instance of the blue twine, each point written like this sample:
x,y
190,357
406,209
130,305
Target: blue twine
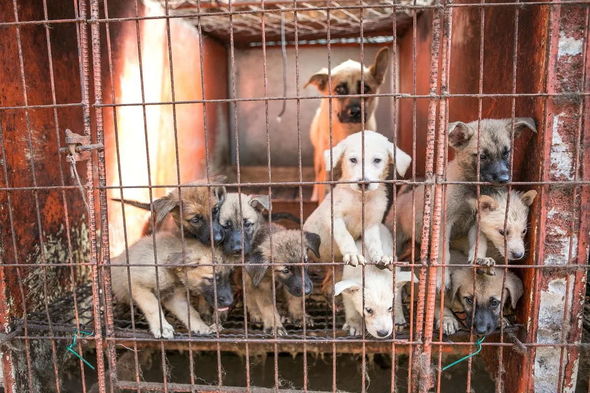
x,y
73,344
478,343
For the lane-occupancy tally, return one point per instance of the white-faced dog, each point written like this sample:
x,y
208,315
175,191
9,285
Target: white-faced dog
x,y
379,310
364,171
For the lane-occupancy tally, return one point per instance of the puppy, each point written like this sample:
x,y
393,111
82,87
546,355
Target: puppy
x,y
494,159
343,114
200,210
348,198
378,293
172,282
279,251
492,210
487,298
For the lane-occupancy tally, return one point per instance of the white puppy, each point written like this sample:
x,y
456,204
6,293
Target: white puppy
x,y
378,295
365,171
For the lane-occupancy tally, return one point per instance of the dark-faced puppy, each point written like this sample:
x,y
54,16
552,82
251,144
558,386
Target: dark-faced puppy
x,y
242,222
279,252
343,116
484,294
195,210
198,274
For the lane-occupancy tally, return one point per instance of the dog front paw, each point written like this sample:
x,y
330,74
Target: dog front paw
x,y
279,330
353,329
450,325
354,259
383,261
400,323
167,331
297,320
200,328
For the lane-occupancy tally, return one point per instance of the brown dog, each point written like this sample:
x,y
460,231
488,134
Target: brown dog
x,y
283,250
345,115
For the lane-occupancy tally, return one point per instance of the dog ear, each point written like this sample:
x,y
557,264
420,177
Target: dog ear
x,y
521,124
528,197
459,134
319,80
514,287
219,193
487,203
313,241
256,268
457,278
337,152
260,202
346,285
378,68
164,205
402,159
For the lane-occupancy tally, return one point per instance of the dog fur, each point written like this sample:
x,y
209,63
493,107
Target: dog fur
x,y
172,281
279,251
348,198
488,298
200,210
381,299
494,157
343,114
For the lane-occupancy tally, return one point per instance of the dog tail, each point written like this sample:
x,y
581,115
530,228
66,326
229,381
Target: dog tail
x,y
140,205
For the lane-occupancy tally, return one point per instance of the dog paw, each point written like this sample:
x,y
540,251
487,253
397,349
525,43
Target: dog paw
x,y
297,321
279,330
203,329
383,261
450,325
352,329
354,259
167,331
400,327
505,323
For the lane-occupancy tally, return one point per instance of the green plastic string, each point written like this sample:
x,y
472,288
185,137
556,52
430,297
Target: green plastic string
x,y
478,343
73,344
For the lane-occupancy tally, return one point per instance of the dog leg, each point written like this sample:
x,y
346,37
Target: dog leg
x,y
354,322
450,323
374,246
262,296
150,306
398,311
480,258
295,309
184,311
346,244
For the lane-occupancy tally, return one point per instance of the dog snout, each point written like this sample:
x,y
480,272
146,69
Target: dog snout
x,y
354,111
516,255
225,299
485,322
382,333
502,177
308,286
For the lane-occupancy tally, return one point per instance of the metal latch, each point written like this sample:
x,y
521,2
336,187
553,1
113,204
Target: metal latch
x,y
78,146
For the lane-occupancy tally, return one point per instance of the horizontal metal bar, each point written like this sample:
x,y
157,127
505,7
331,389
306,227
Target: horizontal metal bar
x,y
181,387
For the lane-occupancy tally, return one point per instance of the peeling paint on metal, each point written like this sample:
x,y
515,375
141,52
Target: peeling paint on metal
x,y
569,46
561,157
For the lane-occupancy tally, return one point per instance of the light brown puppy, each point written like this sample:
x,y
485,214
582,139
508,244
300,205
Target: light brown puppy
x,y
494,159
484,294
142,281
279,252
344,114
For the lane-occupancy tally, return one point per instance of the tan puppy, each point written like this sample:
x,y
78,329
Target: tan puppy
x,y
487,298
380,310
494,159
171,281
379,154
345,113
492,210
283,250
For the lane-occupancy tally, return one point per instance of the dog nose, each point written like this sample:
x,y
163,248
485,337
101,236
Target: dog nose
x,y
236,248
382,333
308,288
354,111
503,177
224,300
218,237
516,255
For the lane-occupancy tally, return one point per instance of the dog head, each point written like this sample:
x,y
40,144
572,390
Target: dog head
x,y
200,211
242,226
379,154
378,307
495,147
199,275
487,298
345,80
286,251
492,210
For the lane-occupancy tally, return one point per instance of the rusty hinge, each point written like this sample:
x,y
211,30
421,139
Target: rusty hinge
x,y
78,146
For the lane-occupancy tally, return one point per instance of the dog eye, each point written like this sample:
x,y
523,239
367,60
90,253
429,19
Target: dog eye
x,y
524,231
341,89
501,232
227,225
483,156
469,300
215,210
494,303
196,219
209,279
353,160
377,160
390,309
247,224
285,270
369,310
